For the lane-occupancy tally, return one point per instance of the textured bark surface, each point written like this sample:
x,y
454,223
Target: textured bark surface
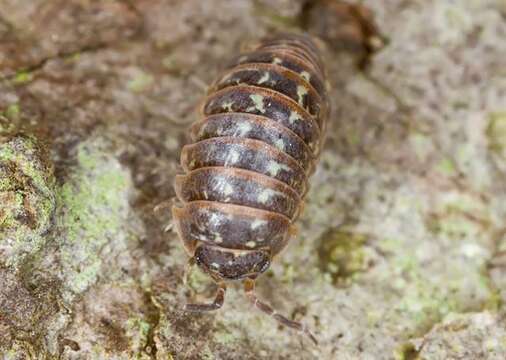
x,y
401,246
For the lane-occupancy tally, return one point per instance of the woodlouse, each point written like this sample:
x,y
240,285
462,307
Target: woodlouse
x,y
246,171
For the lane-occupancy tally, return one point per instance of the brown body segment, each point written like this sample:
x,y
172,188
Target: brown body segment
x,y
232,264
232,226
246,154
282,58
240,187
246,171
268,103
304,42
256,127
276,78
294,51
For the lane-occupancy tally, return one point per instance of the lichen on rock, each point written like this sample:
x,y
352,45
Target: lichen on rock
x,y
93,208
496,134
80,237
341,254
27,198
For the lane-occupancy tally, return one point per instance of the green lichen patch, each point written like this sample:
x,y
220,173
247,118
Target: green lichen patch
x,y
460,216
12,112
422,145
140,82
496,133
433,267
405,351
27,198
425,286
276,16
93,208
22,77
424,300
341,254
137,329
446,167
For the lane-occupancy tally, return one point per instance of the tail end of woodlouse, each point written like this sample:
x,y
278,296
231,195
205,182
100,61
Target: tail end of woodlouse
x,y
249,289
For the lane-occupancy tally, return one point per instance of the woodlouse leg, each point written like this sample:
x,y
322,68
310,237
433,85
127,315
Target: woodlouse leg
x,y
215,305
249,289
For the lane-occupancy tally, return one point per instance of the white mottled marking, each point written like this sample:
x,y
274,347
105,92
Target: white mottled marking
x,y
277,61
202,237
257,223
273,168
265,77
266,194
280,144
228,189
305,75
214,219
215,265
258,100
210,152
227,105
301,92
294,116
232,157
242,129
250,244
217,238
222,185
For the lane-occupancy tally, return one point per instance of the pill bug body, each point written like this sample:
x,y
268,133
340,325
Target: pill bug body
x,y
247,168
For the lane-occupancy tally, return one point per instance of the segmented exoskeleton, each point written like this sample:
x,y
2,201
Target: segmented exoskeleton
x,y
246,171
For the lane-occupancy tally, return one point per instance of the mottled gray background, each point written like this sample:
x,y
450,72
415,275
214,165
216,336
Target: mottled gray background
x,y
401,252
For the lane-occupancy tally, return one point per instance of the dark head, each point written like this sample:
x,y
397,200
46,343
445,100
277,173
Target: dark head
x,y
231,264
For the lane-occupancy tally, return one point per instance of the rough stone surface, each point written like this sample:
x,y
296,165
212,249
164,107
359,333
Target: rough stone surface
x,y
27,198
401,248
464,336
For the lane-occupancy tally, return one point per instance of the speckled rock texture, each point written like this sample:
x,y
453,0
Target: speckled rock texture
x,y
401,251
464,336
27,198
